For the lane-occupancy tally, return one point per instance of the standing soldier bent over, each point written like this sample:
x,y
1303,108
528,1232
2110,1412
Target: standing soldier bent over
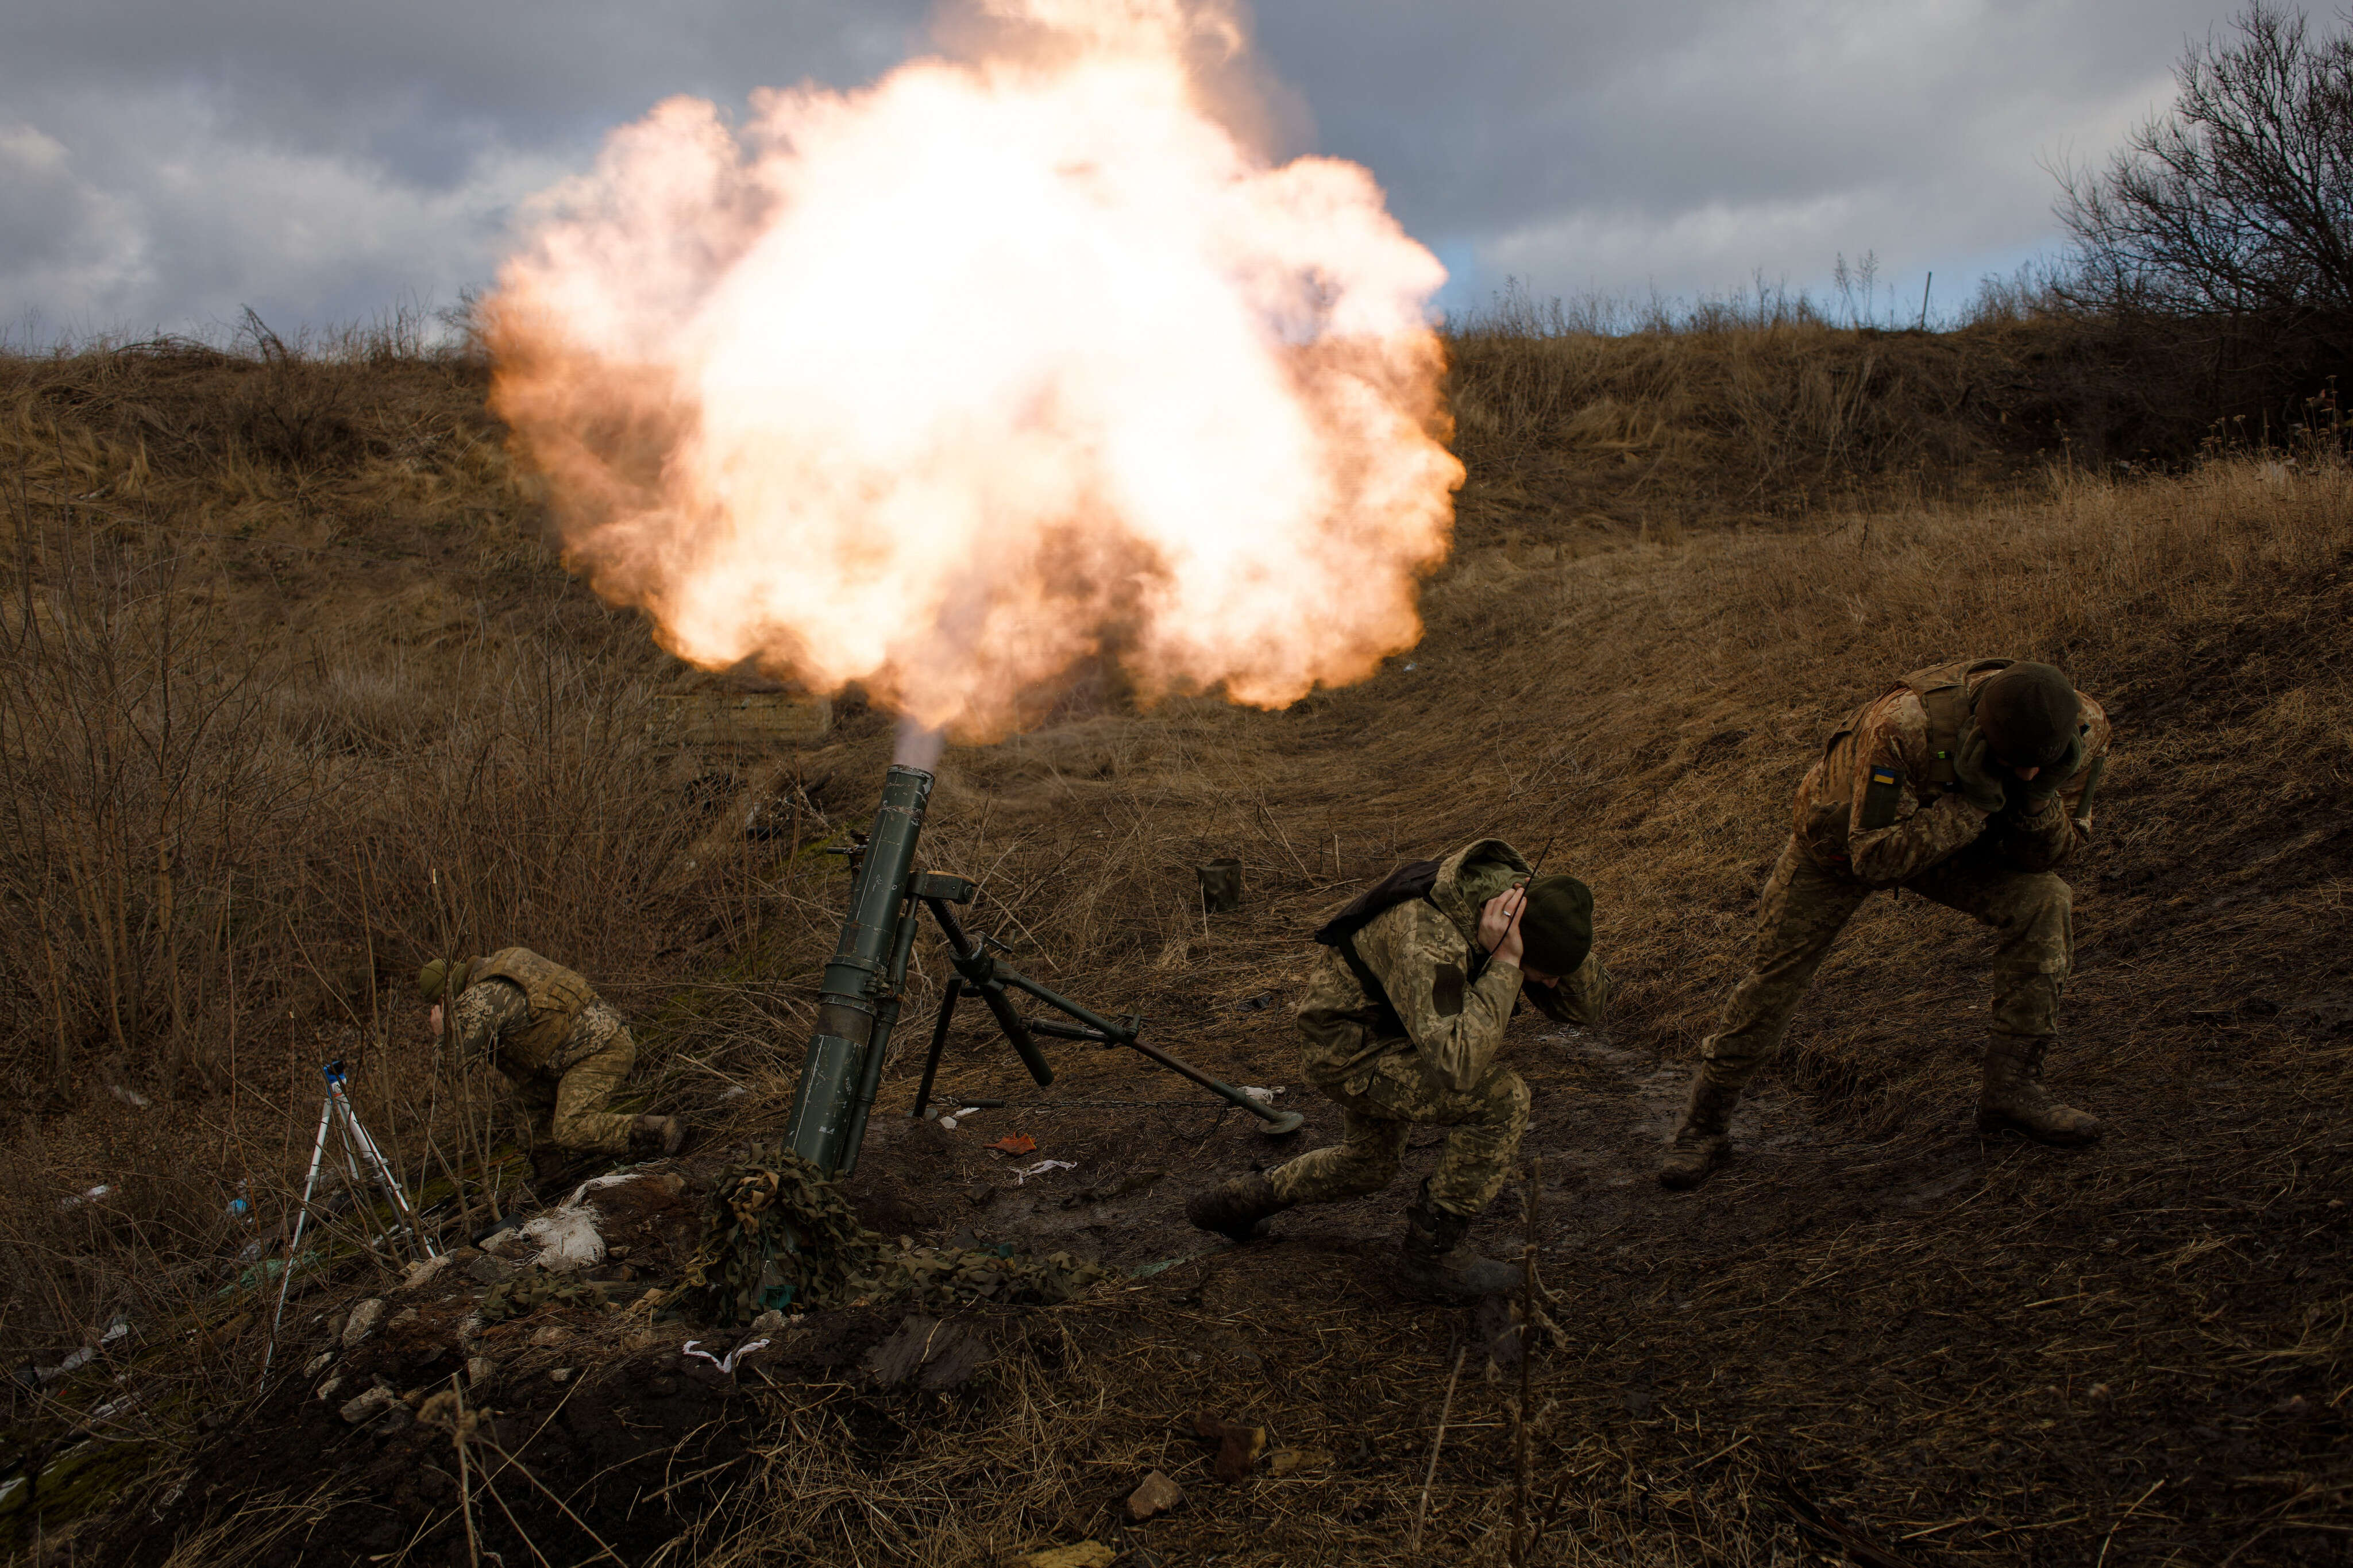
x,y
1962,784
1400,1023
561,1045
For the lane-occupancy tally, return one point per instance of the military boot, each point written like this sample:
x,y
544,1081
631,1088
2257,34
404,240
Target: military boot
x,y
2014,1099
651,1135
1435,1268
1701,1142
1236,1210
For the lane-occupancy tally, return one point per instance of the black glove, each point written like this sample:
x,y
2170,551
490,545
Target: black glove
x,y
1975,775
2034,793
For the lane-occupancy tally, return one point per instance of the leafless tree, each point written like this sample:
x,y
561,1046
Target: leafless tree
x,y
2237,200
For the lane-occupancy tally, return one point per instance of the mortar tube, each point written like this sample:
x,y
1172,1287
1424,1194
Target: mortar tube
x,y
878,1049
857,981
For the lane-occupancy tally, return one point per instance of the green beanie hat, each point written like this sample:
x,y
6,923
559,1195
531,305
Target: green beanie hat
x,y
432,979
1557,931
2027,714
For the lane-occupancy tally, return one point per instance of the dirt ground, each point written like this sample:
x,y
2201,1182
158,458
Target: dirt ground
x,y
1919,1348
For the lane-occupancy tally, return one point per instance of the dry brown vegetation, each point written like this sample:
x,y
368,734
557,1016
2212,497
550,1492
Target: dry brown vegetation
x,y
421,735
1760,410
293,700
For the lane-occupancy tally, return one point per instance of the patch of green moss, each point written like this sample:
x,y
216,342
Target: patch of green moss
x,y
82,1480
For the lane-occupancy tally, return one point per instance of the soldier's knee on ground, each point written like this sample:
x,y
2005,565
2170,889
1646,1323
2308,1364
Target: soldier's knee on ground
x,y
593,1132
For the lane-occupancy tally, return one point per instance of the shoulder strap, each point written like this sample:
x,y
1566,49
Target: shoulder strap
x,y
1944,693
1386,1023
1412,880
1948,713
1852,722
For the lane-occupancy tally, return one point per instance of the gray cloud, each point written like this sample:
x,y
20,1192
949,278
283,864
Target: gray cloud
x,y
1683,147
164,164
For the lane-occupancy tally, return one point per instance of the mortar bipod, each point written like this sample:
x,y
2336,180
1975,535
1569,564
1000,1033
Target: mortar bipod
x,y
978,971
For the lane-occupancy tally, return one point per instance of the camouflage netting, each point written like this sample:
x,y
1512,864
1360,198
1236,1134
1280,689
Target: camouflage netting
x,y
520,1295
744,1266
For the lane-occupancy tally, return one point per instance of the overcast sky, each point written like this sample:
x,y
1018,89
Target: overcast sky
x,y
164,162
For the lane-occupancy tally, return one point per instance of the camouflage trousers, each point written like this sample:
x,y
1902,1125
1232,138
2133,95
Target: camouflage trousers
x,y
1386,1101
572,1111
1805,907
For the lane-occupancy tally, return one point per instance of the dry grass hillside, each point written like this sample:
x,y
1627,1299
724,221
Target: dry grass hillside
x,y
291,699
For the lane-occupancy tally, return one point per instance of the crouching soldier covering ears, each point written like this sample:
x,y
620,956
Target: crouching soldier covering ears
x,y
1962,784
565,1050
1400,1023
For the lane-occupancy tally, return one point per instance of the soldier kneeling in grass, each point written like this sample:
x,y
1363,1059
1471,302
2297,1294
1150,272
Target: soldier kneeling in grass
x,y
1402,1018
1963,784
562,1046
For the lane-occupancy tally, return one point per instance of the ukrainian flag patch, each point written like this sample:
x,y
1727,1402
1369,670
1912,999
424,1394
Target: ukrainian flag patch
x,y
1883,795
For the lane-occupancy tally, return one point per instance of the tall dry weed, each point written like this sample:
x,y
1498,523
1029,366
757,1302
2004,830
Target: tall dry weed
x,y
225,855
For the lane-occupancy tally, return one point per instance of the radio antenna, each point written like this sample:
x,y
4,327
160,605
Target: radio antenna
x,y
1479,962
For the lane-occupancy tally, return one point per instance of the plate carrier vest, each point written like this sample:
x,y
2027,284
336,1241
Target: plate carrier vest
x,y
554,995
1943,692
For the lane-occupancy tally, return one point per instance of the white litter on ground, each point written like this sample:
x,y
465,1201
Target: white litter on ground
x,y
423,1271
1041,1168
567,1236
726,1362
567,1239
593,1184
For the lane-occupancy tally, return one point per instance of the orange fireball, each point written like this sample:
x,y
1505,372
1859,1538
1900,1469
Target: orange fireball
x,y
946,383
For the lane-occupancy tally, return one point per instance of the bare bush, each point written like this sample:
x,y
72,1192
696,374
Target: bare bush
x,y
136,789
2237,200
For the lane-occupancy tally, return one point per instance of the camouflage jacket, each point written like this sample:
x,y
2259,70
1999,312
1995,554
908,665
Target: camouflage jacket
x,y
1422,953
490,1014
1917,823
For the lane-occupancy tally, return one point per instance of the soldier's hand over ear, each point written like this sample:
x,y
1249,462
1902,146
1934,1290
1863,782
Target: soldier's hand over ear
x,y
2037,791
1977,775
1499,924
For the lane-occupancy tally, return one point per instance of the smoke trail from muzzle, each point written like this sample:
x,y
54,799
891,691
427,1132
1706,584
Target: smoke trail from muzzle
x,y
918,747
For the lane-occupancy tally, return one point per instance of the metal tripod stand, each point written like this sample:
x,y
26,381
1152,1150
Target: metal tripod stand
x,y
363,1164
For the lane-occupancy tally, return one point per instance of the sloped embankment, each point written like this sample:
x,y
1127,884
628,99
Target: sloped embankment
x,y
1873,1328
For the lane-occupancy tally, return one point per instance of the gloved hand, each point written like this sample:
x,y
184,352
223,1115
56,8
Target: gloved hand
x,y
1978,777
2034,793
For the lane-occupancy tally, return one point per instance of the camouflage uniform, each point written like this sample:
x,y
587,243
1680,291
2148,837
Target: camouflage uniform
x,y
1876,811
1442,1070
555,1041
